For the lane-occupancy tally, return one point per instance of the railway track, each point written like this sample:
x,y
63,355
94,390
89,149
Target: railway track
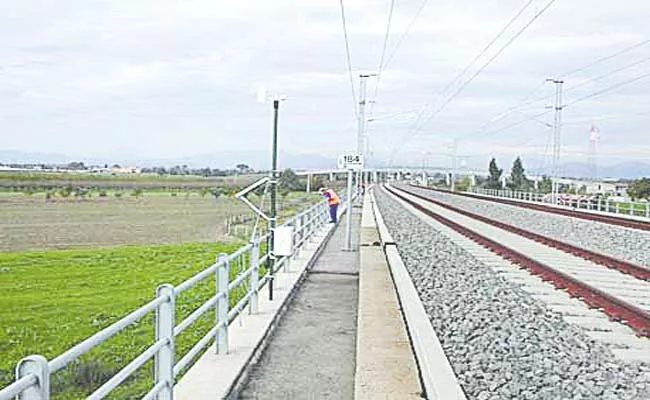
x,y
608,219
626,267
621,290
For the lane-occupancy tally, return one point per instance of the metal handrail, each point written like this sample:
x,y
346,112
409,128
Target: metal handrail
x,y
632,208
33,372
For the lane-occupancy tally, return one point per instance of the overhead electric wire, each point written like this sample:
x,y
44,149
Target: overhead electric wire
x,y
486,48
524,102
476,74
380,67
534,117
347,52
406,32
591,64
458,77
480,70
605,75
512,109
582,120
607,89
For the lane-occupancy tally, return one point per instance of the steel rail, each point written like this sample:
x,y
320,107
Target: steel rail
x,y
626,267
607,219
615,308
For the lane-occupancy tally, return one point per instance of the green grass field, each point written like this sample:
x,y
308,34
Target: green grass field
x,y
72,266
53,299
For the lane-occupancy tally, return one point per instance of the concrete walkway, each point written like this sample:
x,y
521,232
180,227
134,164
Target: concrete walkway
x,y
312,353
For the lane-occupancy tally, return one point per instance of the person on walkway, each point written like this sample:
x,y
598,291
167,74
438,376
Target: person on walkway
x,y
333,201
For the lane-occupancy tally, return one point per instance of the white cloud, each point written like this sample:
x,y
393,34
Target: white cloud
x,y
174,78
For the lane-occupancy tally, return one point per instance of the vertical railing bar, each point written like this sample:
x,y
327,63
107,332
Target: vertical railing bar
x,y
38,366
254,277
164,330
222,278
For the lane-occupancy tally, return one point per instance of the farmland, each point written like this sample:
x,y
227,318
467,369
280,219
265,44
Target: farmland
x,y
53,179
72,264
30,222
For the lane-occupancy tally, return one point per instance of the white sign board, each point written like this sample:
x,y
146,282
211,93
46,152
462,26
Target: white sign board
x,y
351,162
283,241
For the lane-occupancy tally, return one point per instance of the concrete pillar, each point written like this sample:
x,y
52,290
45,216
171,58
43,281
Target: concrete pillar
x,y
308,183
332,176
472,180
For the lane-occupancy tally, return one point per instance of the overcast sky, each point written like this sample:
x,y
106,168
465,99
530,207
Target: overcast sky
x,y
176,78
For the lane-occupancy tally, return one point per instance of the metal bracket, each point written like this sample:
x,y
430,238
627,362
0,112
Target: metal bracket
x,y
241,195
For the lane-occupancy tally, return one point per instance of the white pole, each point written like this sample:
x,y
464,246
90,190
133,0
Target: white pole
x,y
557,125
348,215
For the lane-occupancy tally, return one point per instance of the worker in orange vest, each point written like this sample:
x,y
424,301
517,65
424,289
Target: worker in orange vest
x,y
333,201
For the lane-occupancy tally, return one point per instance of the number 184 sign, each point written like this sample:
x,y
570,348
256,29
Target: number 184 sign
x,y
351,162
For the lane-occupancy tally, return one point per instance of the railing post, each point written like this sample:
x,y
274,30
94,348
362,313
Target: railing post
x,y
164,359
302,231
222,280
255,276
617,207
38,366
647,210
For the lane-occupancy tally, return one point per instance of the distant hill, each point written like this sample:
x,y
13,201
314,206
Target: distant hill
x,y
623,170
261,161
226,159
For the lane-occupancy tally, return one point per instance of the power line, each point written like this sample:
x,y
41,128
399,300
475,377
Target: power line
x,y
406,32
607,89
458,77
512,125
591,64
512,109
512,39
480,70
536,116
486,48
383,54
612,72
583,120
347,52
525,101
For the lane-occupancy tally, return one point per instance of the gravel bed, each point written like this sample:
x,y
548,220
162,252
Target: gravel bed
x,y
502,343
624,243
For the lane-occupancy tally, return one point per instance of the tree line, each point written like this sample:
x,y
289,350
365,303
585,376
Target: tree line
x,y
184,169
517,180
638,189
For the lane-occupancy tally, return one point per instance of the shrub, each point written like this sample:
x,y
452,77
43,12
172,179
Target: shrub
x,y
65,191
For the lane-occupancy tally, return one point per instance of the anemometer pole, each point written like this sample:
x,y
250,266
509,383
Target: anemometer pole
x,y
274,195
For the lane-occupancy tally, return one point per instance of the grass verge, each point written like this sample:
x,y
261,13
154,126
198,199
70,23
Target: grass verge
x,y
53,299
